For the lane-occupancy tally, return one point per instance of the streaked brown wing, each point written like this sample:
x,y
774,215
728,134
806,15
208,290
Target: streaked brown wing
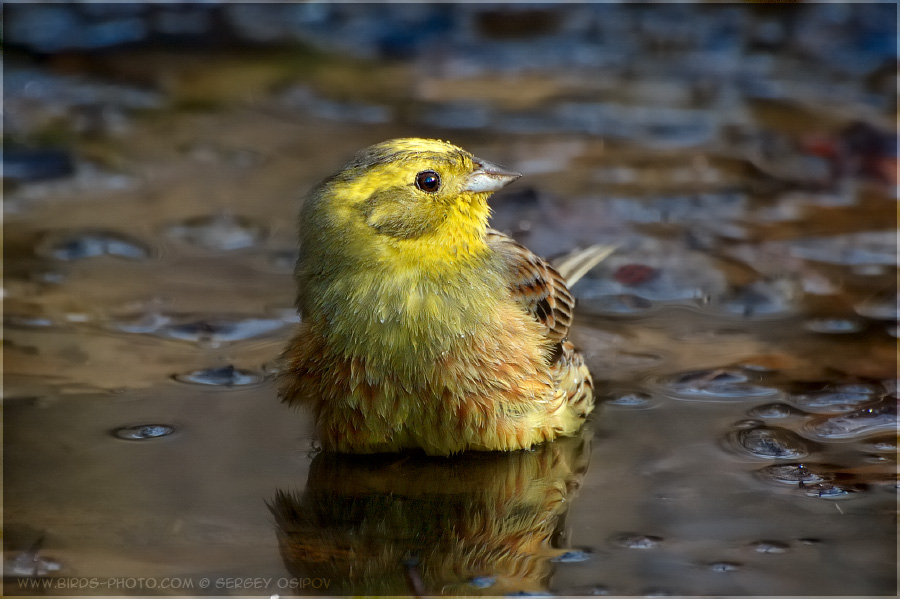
x,y
536,284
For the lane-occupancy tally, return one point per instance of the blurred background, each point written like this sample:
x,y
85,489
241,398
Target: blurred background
x,y
742,157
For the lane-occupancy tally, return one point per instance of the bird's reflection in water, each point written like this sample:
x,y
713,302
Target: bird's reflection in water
x,y
478,523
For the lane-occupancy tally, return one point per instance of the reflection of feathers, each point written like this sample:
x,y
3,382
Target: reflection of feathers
x,y
476,515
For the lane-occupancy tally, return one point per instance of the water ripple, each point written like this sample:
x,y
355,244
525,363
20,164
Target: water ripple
x,y
769,443
715,385
878,419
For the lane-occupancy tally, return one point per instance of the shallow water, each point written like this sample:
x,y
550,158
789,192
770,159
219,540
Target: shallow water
x,y
742,337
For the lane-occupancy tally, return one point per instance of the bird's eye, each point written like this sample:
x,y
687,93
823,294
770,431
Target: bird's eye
x,y
428,181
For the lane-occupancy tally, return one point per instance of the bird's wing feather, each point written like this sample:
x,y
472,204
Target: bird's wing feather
x,y
536,285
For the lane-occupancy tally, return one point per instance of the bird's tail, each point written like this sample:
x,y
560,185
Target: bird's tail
x,y
576,264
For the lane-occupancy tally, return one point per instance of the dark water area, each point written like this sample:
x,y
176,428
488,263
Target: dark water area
x,y
742,159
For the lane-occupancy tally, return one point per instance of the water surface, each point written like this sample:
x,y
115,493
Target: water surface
x,y
742,337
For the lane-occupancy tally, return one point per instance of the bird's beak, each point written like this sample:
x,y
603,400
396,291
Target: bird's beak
x,y
489,177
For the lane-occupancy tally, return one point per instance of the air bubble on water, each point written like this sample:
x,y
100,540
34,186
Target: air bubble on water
x,y
143,323
637,541
30,563
142,432
715,385
770,547
140,317
774,411
809,541
724,566
757,368
748,424
634,400
794,474
226,376
888,445
874,458
218,330
770,443
830,401
830,491
878,419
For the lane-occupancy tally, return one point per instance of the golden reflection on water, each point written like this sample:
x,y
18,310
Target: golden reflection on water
x,y
394,524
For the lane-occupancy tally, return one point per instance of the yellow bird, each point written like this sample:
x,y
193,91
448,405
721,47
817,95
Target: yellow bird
x,y
420,326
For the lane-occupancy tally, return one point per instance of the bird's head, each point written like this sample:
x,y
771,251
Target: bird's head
x,y
409,195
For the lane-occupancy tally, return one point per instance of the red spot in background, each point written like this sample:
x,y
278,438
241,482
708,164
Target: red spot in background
x,y
635,274
857,149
